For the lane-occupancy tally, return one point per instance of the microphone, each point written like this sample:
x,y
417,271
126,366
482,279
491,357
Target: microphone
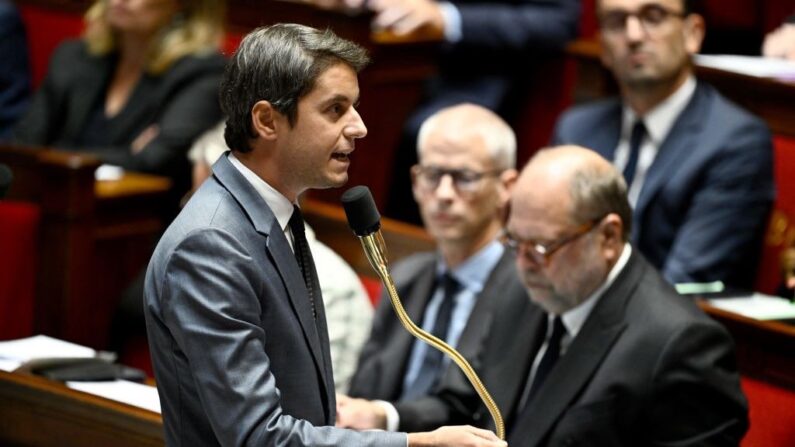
x,y
6,176
363,217
365,221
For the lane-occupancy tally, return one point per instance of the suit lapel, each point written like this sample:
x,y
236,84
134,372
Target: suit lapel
x,y
575,369
605,136
280,254
678,144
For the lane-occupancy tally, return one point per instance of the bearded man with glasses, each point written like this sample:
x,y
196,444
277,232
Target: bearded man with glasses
x,y
621,359
466,291
699,168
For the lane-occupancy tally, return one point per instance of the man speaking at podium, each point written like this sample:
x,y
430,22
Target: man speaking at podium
x,y
234,313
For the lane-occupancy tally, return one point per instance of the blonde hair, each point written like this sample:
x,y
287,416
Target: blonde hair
x,y
196,29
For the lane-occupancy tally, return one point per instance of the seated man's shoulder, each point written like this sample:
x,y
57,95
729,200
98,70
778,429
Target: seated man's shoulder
x,y
413,265
726,116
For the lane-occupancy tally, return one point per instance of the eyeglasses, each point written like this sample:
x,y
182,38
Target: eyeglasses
x,y
465,181
651,18
540,252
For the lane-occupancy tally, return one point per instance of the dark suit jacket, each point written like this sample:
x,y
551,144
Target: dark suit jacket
x,y
648,368
384,358
238,358
182,102
14,71
702,212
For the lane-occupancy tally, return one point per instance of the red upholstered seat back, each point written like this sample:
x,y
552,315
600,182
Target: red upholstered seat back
x,y
19,228
772,415
46,28
781,228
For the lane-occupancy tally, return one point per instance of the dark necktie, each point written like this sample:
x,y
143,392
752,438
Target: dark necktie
x,y
635,140
304,257
548,360
431,367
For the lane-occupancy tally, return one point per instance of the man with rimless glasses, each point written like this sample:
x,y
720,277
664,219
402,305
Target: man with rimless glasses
x,y
464,292
698,167
620,358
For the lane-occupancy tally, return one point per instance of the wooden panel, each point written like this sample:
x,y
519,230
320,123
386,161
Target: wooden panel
x,y
94,238
765,349
35,412
770,99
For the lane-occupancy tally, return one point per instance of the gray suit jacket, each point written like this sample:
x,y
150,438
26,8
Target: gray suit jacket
x,y
384,359
238,358
702,212
647,368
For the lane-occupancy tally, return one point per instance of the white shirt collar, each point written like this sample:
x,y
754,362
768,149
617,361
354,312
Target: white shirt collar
x,y
573,319
661,118
281,207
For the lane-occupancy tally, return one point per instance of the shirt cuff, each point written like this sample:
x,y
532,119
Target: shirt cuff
x,y
392,416
452,22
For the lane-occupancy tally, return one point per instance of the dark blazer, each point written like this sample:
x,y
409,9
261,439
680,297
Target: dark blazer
x,y
648,368
14,70
182,102
702,212
238,358
384,358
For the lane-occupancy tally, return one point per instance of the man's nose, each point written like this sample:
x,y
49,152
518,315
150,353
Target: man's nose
x,y
634,29
446,187
356,128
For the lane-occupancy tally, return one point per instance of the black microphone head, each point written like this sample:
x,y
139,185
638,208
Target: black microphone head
x,y
5,179
363,217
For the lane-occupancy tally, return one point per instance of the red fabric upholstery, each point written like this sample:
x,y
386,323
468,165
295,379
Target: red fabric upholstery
x,y
373,287
46,28
19,227
772,415
781,228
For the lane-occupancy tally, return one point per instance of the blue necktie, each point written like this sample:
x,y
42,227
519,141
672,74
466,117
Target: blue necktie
x,y
431,367
635,139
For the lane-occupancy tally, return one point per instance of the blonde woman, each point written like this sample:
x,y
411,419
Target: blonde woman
x,y
137,88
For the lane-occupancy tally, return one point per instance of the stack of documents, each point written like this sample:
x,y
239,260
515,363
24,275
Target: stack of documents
x,y
16,354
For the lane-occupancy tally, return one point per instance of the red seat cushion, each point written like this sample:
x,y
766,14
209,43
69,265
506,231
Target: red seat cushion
x,y
772,414
19,228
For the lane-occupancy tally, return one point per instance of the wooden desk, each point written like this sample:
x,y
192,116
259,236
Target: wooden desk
x,y
331,228
772,100
95,237
36,412
765,349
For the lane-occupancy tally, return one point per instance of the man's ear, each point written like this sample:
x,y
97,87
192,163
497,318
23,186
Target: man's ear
x,y
612,230
264,120
694,30
507,181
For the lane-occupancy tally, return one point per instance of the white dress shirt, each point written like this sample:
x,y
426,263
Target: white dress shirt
x,y
658,122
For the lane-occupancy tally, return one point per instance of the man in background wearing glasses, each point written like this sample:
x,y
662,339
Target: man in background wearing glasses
x,y
462,293
622,359
698,168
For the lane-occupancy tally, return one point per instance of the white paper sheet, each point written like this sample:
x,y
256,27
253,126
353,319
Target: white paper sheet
x,y
42,346
763,67
758,306
136,394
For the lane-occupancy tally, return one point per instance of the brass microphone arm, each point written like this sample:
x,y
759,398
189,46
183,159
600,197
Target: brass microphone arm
x,y
375,249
